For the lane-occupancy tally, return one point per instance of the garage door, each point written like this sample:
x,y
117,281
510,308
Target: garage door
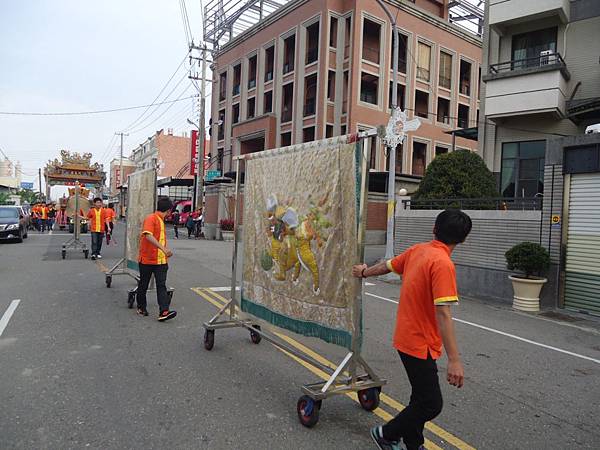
x,y
582,282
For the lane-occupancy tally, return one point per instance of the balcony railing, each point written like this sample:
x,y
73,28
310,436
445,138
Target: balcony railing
x,y
445,82
545,59
370,54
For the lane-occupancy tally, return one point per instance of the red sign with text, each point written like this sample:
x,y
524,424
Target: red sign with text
x,y
194,152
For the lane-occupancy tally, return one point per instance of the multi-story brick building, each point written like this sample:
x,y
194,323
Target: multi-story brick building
x,y
172,153
315,69
115,174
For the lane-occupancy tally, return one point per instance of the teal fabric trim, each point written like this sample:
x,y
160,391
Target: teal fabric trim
x,y
306,328
133,265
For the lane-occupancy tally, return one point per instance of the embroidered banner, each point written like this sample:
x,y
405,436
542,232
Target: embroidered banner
x,y
300,239
141,201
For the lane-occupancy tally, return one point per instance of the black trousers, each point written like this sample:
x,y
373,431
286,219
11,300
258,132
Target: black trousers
x,y
160,277
96,242
176,229
425,402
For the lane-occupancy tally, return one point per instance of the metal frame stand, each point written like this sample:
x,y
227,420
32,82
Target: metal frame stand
x,y
75,242
353,374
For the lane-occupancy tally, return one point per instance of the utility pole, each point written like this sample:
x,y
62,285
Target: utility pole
x,y
40,181
389,241
121,196
198,197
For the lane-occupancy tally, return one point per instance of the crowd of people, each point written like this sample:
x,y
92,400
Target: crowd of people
x,y
43,216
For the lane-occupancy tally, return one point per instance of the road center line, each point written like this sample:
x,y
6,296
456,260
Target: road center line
x,y
502,333
8,314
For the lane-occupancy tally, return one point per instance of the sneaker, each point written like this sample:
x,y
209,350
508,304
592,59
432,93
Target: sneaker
x,y
142,312
166,315
99,256
383,444
93,257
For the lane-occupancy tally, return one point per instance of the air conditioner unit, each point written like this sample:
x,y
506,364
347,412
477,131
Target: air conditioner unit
x,y
545,57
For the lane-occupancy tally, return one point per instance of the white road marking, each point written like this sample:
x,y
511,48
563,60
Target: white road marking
x,y
502,333
8,314
222,288
369,284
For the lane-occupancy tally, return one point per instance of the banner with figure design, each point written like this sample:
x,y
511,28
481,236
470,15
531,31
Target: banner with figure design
x,y
300,239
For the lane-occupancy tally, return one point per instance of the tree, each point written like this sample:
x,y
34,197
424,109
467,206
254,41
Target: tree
x,y
3,198
28,196
459,174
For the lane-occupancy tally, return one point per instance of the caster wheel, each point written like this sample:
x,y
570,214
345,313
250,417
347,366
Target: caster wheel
x,y
108,280
63,254
209,339
308,411
86,253
369,398
130,299
254,336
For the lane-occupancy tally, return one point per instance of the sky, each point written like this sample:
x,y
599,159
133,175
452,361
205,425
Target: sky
x,y
79,55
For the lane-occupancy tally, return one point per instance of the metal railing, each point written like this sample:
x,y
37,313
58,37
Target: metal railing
x,y
500,204
544,60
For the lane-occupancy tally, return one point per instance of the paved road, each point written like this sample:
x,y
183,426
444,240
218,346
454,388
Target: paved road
x,y
80,370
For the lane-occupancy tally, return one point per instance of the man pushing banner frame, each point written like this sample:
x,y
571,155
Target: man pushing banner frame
x,y
127,265
353,374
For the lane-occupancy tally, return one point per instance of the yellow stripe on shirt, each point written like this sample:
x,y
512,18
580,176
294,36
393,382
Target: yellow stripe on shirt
x,y
161,258
390,267
449,299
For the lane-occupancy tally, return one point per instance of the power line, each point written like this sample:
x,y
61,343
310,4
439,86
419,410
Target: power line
x,y
83,113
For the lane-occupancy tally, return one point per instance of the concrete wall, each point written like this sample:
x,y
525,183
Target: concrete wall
x,y
480,262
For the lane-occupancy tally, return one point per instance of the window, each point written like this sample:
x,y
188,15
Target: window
x,y
439,150
369,88
289,52
347,34
269,62
424,62
252,72
463,116
400,92
479,83
220,154
328,131
443,110
465,77
251,110
331,86
237,76
268,102
419,158
345,94
399,159
333,24
402,47
310,95
528,47
287,102
221,132
422,104
522,170
373,147
343,130
222,86
286,139
235,113
445,79
371,34
308,134
312,43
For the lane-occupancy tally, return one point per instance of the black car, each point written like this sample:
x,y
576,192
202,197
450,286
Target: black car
x,y
12,223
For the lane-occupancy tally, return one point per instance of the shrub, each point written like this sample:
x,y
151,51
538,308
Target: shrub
x,y
226,224
459,174
529,258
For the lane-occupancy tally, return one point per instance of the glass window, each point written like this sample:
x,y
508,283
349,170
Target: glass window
x,y
522,171
527,47
424,62
445,80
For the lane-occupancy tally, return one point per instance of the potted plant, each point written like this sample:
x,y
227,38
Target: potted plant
x,y
227,229
531,260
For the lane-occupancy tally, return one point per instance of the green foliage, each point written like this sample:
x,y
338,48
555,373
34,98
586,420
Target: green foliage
x,y
529,258
3,198
459,174
28,196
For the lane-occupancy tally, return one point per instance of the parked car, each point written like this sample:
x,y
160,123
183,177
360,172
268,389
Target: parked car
x,y
12,223
184,208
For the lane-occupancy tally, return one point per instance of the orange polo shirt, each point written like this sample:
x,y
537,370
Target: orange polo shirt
x,y
428,279
44,212
110,214
97,219
149,254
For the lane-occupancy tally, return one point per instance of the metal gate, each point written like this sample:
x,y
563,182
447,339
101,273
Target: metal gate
x,y
582,268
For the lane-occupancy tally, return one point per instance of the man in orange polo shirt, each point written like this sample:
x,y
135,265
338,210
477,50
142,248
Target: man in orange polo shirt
x,y
43,212
110,222
153,260
423,324
97,223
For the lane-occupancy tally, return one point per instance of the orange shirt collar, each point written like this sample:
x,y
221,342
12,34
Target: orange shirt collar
x,y
439,244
